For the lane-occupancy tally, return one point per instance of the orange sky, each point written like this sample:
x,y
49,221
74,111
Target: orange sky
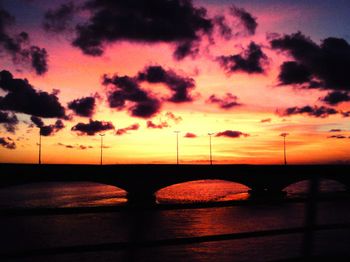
x,y
77,75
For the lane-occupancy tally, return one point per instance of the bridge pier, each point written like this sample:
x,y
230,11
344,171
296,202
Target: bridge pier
x,y
141,199
266,193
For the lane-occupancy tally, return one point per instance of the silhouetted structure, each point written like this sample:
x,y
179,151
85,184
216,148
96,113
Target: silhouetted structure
x,y
102,135
142,181
39,146
284,146
210,154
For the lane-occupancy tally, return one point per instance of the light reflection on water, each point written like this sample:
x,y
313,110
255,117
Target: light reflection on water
x,y
85,194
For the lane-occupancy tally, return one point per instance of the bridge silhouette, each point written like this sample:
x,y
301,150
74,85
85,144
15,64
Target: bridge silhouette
x,y
141,182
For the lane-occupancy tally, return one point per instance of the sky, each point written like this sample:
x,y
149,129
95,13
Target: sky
x,y
246,72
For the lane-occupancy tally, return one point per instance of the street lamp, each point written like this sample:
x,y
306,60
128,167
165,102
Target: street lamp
x,y
284,146
210,155
102,135
39,145
177,146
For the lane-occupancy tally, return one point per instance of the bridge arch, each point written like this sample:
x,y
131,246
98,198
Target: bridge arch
x,y
60,194
325,185
202,190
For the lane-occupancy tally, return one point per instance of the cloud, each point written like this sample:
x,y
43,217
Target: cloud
x,y
266,120
23,98
39,58
224,29
177,22
124,90
293,73
321,66
171,116
315,111
125,130
161,125
337,136
7,142
84,106
246,19
9,121
249,61
335,130
227,102
232,134
190,135
18,46
345,113
81,147
179,85
60,19
47,130
92,127
336,97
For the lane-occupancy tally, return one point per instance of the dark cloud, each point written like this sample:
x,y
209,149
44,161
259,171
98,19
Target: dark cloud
x,y
246,19
190,135
21,97
47,130
345,114
18,46
336,97
187,48
335,130
266,120
232,134
7,142
250,61
154,21
227,102
125,130
39,58
161,125
224,29
60,19
325,64
81,147
337,136
293,73
315,111
84,106
126,90
92,127
179,85
9,121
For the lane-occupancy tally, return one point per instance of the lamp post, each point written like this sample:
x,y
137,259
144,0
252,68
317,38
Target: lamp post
x,y
39,145
284,147
102,135
177,146
210,155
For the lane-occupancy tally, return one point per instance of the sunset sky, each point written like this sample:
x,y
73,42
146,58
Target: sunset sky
x,y
137,71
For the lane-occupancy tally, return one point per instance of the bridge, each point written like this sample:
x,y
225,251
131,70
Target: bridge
x,y
141,182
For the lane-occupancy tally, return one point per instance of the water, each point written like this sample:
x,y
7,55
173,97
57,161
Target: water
x,y
84,194
47,231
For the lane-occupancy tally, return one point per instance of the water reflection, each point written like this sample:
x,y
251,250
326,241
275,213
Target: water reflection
x,y
203,191
55,194
326,186
86,194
